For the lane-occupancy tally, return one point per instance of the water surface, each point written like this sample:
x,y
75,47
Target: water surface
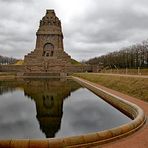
x,y
44,108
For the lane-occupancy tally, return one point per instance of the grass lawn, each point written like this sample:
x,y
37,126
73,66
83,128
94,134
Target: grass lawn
x,y
136,87
127,71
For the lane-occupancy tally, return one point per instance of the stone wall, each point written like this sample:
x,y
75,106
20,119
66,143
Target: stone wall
x,y
68,69
78,68
11,68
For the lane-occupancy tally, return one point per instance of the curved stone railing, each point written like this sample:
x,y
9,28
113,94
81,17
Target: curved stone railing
x,y
92,139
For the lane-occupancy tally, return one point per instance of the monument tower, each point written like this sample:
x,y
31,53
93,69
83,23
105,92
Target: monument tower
x,y
49,55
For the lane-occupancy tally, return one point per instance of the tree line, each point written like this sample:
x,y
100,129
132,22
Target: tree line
x,y
128,57
7,60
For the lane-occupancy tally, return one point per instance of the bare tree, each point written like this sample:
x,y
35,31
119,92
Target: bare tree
x,y
7,60
129,57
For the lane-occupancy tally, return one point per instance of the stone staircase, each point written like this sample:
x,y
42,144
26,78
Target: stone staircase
x,y
44,74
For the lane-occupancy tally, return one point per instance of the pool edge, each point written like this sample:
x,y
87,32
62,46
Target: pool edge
x,y
92,139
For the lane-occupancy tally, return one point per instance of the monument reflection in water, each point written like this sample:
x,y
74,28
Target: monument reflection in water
x,y
45,108
49,96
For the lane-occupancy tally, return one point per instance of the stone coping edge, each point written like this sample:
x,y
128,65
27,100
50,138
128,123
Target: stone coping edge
x,y
91,139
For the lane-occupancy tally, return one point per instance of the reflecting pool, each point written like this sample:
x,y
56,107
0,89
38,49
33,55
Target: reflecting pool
x,y
44,108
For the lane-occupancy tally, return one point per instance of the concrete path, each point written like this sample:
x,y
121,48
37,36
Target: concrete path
x,y
134,76
140,138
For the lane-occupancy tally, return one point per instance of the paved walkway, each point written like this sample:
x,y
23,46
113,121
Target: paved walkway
x,y
140,138
125,75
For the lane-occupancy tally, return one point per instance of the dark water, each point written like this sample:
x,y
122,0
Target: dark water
x,y
52,108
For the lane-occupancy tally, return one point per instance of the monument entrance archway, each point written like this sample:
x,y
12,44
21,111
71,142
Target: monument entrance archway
x,y
48,50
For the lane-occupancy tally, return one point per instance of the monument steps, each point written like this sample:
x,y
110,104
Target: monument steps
x,y
44,74
41,74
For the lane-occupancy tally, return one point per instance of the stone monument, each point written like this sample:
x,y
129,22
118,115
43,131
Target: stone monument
x,y
49,55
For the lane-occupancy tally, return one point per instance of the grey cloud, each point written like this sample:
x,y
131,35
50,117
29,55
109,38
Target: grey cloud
x,y
116,27
112,25
102,26
17,30
16,1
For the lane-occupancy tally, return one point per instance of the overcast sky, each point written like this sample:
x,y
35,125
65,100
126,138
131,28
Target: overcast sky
x,y
90,27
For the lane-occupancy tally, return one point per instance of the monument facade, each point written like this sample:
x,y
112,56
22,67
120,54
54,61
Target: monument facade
x,y
48,58
49,55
